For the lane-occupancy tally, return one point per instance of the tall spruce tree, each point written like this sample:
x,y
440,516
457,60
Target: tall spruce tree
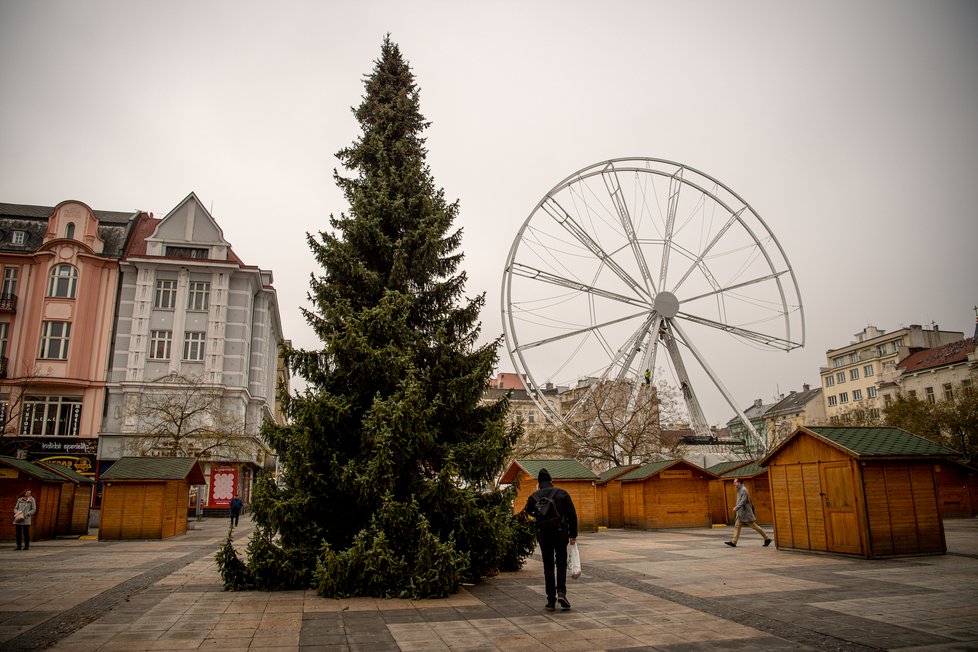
x,y
389,456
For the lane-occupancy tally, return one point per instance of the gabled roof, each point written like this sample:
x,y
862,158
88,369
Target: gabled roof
x,y
748,470
155,468
723,467
615,471
795,401
939,356
65,472
558,470
30,469
653,468
869,442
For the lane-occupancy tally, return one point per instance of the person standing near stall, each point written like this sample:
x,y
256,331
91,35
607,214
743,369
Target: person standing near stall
x,y
556,527
23,511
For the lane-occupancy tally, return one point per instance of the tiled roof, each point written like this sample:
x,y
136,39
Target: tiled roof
x,y
44,212
748,470
938,356
795,401
155,468
616,471
558,470
865,442
30,469
650,469
64,471
723,467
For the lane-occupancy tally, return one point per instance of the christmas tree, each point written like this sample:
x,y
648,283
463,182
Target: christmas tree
x,y
389,454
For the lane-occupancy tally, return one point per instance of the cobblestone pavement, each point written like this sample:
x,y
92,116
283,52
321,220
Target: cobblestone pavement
x,y
663,590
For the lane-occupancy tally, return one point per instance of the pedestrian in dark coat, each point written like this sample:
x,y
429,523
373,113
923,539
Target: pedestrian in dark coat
x,y
554,537
236,506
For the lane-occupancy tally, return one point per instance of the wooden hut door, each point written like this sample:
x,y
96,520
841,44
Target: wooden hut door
x,y
839,501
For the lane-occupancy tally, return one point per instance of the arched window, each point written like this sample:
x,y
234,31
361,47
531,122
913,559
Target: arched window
x,y
70,231
62,281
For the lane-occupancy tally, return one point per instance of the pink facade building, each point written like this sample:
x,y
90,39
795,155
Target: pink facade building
x,y
60,271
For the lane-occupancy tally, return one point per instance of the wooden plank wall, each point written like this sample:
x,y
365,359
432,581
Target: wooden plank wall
x,y
601,504
676,502
904,516
633,504
80,509
719,510
132,510
799,521
954,491
616,517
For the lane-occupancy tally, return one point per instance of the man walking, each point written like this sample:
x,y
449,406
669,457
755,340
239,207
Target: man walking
x,y
235,510
745,515
556,526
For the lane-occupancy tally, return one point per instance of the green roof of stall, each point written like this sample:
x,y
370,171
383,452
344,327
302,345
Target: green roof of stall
x,y
155,468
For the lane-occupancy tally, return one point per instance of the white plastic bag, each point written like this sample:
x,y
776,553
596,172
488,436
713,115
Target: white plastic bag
x,y
574,561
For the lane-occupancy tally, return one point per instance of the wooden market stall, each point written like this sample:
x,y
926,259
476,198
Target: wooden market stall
x,y
608,496
666,494
17,475
870,492
570,475
755,479
147,497
76,499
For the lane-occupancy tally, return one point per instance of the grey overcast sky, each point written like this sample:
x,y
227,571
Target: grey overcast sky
x,y
850,127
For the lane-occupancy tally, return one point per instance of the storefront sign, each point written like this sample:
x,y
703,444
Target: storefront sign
x,y
224,485
85,465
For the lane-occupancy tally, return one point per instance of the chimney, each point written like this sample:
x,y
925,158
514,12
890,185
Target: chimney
x,y
805,387
758,402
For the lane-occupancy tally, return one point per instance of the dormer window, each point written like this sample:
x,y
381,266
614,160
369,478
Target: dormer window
x,y
70,231
18,237
187,252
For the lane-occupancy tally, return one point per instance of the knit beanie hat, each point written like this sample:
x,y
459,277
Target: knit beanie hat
x,y
543,476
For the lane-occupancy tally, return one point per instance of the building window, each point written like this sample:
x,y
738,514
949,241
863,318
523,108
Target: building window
x,y
840,361
887,400
52,416
929,393
70,231
881,349
62,281
159,345
853,358
193,346
966,383
18,237
868,370
54,340
912,394
896,344
829,381
834,420
857,394
199,293
948,392
832,401
187,252
840,377
853,374
871,392
874,413
9,282
166,294
844,397
4,335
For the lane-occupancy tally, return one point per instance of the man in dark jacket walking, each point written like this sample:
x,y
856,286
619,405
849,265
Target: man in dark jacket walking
x,y
236,506
556,526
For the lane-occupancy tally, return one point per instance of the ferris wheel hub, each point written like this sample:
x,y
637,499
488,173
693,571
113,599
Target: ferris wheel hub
x,y
666,304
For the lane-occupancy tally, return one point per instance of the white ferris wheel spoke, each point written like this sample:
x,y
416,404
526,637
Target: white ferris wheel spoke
x,y
763,338
702,256
719,290
533,273
675,185
564,219
617,197
562,336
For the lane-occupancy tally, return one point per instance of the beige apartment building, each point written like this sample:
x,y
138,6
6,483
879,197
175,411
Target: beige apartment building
x,y
934,374
850,381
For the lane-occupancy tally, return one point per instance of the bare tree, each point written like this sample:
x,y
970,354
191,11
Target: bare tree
x,y
184,417
13,393
619,422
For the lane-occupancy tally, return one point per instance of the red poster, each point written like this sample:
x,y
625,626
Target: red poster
x,y
224,485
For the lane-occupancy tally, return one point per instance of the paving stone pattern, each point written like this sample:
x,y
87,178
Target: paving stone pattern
x,y
672,590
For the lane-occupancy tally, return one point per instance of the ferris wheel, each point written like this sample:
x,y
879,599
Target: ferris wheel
x,y
633,255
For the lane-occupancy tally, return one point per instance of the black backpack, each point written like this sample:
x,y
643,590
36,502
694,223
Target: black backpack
x,y
549,518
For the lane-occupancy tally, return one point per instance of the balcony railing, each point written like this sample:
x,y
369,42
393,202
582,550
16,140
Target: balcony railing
x,y
8,302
